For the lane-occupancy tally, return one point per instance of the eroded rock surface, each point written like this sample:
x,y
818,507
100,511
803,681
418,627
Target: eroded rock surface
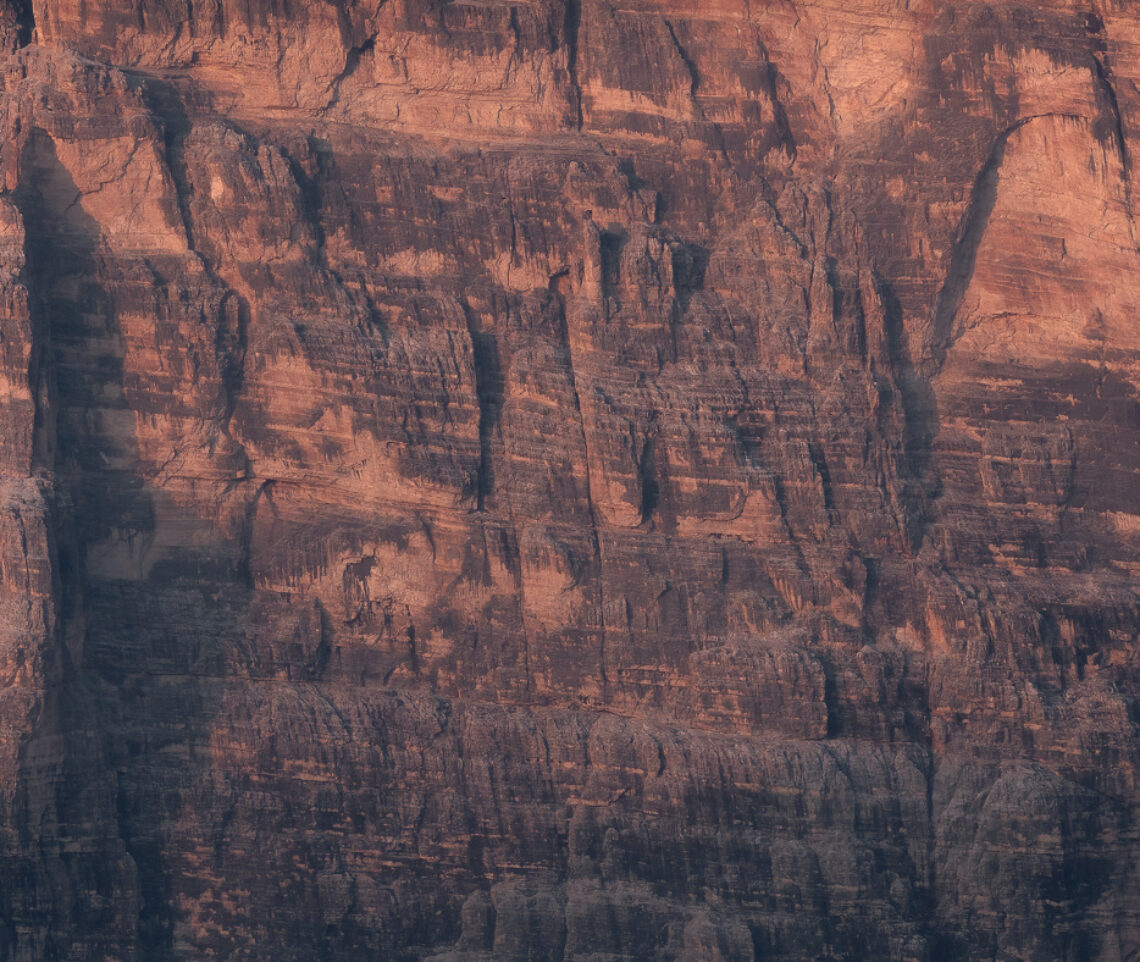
x,y
568,481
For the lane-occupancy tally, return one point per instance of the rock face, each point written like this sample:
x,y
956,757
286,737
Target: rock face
x,y
556,480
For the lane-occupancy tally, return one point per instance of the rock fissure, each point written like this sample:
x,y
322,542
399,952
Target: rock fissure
x,y
571,26
971,230
351,63
690,67
1110,116
25,12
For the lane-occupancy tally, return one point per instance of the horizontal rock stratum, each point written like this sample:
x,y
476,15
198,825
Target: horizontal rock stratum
x,y
494,481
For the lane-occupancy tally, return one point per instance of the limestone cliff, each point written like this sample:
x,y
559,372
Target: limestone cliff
x,y
559,480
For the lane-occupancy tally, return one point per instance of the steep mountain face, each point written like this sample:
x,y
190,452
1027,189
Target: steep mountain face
x,y
555,480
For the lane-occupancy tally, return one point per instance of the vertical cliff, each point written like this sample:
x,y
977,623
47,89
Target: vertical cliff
x,y
560,480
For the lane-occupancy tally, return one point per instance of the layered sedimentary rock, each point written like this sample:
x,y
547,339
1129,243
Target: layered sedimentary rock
x,y
560,480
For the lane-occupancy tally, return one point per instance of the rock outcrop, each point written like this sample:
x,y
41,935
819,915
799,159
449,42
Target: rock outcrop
x,y
555,480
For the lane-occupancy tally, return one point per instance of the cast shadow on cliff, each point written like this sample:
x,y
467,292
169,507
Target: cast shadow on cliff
x,y
490,392
73,362
690,264
130,616
612,243
963,257
919,487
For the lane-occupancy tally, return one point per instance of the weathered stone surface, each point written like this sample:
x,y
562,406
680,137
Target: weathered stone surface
x,y
560,480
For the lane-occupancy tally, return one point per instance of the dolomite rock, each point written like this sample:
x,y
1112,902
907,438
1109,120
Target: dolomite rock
x,y
567,481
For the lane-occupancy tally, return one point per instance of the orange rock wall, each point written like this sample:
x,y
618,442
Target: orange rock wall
x,y
562,481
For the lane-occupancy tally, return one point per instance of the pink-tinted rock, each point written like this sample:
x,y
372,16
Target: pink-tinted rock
x,y
561,480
